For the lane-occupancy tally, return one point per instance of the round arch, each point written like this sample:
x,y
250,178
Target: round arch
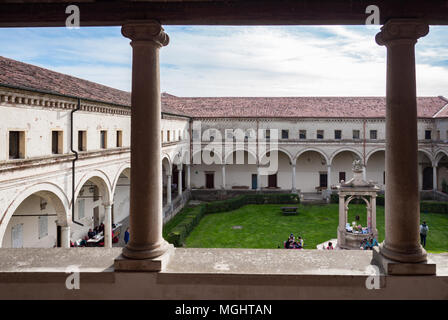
x,y
166,163
356,152
313,150
279,150
439,155
428,154
372,152
51,192
124,169
100,179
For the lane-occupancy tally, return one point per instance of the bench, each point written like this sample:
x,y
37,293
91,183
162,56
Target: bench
x,y
289,211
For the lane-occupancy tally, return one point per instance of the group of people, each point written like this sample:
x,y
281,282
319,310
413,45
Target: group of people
x,y
293,243
368,243
95,231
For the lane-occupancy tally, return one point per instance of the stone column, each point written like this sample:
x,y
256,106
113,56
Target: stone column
x,y
179,178
342,221
402,216
188,177
434,177
108,225
223,170
373,214
420,177
293,188
168,189
65,237
328,176
146,217
258,179
364,173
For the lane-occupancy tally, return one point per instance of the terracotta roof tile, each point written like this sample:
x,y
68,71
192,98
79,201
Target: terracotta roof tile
x,y
19,74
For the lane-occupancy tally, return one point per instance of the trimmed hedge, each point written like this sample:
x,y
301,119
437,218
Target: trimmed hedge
x,y
434,207
179,232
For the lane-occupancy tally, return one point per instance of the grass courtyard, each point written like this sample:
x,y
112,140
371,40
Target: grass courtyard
x,y
264,226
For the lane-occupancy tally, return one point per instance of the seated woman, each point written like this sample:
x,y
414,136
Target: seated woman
x,y
300,242
330,246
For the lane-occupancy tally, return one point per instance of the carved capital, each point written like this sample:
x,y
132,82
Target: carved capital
x,y
145,31
401,30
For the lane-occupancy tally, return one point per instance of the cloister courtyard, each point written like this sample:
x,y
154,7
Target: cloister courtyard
x,y
264,226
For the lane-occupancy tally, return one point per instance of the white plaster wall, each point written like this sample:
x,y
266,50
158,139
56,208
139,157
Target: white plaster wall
x,y
376,167
30,225
308,166
121,200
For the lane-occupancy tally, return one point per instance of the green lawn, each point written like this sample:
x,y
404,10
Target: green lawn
x,y
264,226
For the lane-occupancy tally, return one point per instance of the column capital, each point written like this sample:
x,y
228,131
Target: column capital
x,y
399,30
145,31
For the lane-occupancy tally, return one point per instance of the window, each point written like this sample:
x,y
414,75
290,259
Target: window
x,y
119,138
56,142
82,140
320,134
285,134
16,144
355,134
302,134
81,208
427,134
337,134
438,135
168,135
341,176
161,136
267,134
373,134
103,142
43,226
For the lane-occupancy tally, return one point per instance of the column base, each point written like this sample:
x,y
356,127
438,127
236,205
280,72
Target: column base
x,y
392,267
123,264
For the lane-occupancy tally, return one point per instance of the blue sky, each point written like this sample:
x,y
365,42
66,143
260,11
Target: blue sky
x,y
237,61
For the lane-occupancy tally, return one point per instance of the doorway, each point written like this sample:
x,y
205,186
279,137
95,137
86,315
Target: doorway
x,y
272,181
210,180
254,181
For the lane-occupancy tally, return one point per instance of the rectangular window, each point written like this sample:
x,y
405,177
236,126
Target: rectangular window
x,y
427,134
355,134
16,144
82,140
337,134
81,208
43,226
285,134
56,142
341,176
168,135
373,134
103,142
438,135
119,138
302,134
267,134
161,136
320,134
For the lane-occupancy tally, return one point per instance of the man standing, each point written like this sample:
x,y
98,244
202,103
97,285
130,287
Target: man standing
x,y
423,233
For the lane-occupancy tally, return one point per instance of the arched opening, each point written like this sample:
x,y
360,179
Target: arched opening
x,y
277,170
341,166
121,197
442,172
241,170
425,171
376,168
35,221
92,200
166,180
206,170
311,171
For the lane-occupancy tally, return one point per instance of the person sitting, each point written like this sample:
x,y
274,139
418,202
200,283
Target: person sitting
x,y
101,228
286,244
96,230
330,246
91,234
374,242
300,242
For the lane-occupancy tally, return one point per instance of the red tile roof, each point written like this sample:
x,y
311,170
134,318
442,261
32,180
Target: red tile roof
x,y
23,75
297,107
